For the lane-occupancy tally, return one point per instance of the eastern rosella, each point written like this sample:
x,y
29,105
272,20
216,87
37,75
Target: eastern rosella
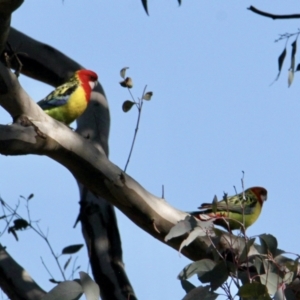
x,y
243,208
69,100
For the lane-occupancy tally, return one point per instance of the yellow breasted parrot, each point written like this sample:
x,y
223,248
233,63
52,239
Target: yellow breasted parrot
x,y
69,100
243,208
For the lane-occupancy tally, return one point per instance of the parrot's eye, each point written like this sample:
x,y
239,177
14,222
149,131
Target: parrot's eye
x,y
93,78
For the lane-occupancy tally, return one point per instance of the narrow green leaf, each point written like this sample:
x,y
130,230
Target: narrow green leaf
x,y
200,267
246,249
145,5
292,265
181,228
90,287
258,264
30,197
148,96
293,54
281,60
72,249
219,275
290,294
187,286
127,83
271,280
66,290
201,292
127,105
196,232
123,72
290,77
67,262
54,281
253,291
13,232
268,243
214,204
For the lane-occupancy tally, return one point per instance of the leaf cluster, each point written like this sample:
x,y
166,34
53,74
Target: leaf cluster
x,y
255,276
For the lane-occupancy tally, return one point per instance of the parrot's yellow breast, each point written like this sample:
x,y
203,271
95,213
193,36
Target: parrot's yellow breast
x,y
73,109
248,219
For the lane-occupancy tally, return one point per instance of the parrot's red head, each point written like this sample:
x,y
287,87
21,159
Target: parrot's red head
x,y
88,80
261,194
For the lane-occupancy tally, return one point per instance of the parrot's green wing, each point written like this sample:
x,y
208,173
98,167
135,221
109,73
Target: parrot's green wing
x,y
59,96
234,204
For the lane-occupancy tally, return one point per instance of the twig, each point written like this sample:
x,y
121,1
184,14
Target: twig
x,y
214,246
272,16
13,213
46,268
74,268
39,232
139,106
51,249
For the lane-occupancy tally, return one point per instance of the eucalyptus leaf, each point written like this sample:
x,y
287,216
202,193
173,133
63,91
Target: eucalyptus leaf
x,y
187,286
66,290
271,280
201,292
123,72
268,243
90,287
199,267
72,249
254,291
127,105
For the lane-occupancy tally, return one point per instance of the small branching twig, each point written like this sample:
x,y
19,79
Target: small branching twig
x,y
12,214
29,224
139,106
127,105
43,263
273,16
287,36
45,238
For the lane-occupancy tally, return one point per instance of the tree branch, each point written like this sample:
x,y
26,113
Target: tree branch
x,y
6,9
15,281
272,16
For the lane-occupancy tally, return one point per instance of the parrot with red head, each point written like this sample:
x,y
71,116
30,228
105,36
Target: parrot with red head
x,y
69,100
234,212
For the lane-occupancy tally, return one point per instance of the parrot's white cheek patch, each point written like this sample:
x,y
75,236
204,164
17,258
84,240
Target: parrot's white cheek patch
x,y
92,84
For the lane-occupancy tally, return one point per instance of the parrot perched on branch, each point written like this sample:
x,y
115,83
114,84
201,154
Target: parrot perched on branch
x,y
69,100
243,208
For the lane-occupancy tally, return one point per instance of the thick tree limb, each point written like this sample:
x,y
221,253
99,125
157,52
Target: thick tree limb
x,y
272,16
6,9
15,281
103,242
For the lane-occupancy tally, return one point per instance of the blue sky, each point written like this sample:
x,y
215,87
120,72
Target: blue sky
x,y
213,115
